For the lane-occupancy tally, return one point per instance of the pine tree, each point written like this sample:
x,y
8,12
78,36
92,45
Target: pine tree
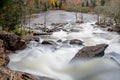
x,y
10,12
102,2
87,3
83,4
94,3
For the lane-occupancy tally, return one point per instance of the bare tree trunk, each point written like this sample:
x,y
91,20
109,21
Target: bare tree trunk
x,y
81,17
98,18
30,19
76,16
45,21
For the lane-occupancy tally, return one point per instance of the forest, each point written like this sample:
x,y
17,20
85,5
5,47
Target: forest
x,y
16,12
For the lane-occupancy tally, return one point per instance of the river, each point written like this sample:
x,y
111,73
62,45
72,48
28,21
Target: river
x,y
52,61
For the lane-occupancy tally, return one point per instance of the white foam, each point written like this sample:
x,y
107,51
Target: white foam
x,y
50,62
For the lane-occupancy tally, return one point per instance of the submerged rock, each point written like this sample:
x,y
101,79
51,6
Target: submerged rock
x,y
76,41
59,40
74,30
91,51
12,41
79,22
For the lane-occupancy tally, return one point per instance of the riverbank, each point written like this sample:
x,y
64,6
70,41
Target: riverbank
x,y
9,43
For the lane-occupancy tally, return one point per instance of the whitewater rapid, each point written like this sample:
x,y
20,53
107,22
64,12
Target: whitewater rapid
x,y
53,60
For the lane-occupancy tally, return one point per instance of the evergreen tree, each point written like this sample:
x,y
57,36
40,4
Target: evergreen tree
x,y
94,3
10,12
87,3
102,2
60,5
83,4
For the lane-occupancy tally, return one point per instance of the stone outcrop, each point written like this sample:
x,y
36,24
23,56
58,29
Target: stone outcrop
x,y
91,51
74,30
12,41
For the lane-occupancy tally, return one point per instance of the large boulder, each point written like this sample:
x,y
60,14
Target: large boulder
x,y
12,41
90,52
76,42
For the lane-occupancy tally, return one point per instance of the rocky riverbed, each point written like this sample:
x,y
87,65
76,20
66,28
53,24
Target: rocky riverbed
x,y
53,55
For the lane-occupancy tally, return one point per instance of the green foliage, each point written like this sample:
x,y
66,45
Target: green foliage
x,y
79,9
103,2
87,3
60,5
100,10
45,6
83,4
94,3
19,31
10,15
3,3
117,18
85,9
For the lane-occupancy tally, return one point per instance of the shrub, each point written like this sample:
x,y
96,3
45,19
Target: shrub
x,y
78,9
20,32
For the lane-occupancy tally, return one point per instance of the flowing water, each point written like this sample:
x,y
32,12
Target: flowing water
x,y
53,60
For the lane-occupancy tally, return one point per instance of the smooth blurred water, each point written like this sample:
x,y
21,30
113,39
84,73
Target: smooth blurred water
x,y
52,61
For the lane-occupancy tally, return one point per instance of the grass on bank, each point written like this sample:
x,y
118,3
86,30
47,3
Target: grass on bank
x,y
20,32
78,9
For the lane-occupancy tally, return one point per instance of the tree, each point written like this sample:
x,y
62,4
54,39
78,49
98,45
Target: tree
x,y
98,10
10,14
60,5
113,10
83,4
52,2
87,3
94,3
102,2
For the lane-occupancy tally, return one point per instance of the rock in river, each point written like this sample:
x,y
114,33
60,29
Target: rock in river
x,y
12,41
76,41
48,42
91,51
